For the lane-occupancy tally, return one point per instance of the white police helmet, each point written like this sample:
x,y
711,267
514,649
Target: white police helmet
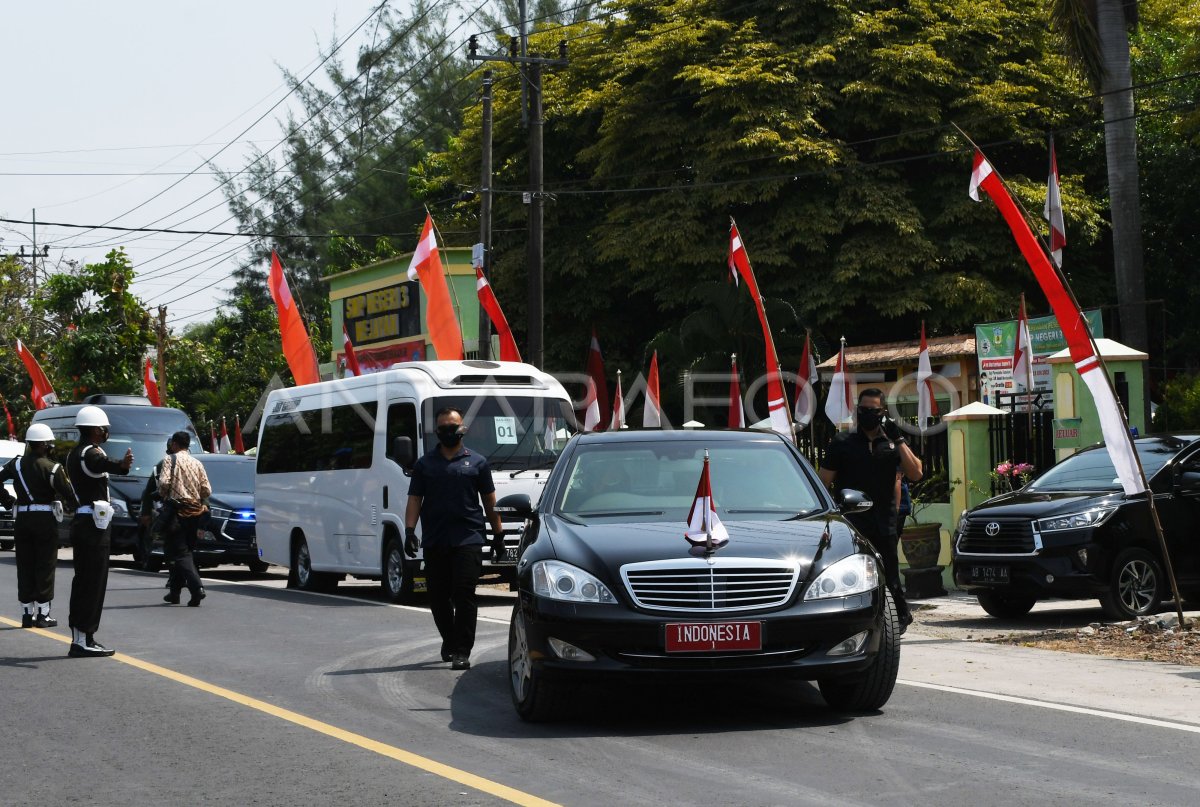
x,y
91,416
39,433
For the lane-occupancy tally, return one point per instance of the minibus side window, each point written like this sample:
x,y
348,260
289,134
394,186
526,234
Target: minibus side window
x,y
402,422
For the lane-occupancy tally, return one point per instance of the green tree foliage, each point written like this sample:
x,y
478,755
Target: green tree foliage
x,y
96,332
14,325
1180,409
822,127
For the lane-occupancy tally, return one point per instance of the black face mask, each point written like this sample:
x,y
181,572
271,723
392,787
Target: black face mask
x,y
869,419
449,435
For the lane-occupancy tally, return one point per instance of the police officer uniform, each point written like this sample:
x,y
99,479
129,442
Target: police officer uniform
x,y
88,468
39,482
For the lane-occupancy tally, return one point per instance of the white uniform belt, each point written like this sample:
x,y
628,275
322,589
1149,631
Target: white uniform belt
x,y
83,510
35,508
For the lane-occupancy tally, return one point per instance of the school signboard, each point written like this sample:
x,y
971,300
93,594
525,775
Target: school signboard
x,y
995,343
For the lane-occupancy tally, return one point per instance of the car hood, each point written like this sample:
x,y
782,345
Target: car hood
x,y
1021,504
129,487
232,501
605,548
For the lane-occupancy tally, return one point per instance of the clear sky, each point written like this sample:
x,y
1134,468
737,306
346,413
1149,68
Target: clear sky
x,y
133,88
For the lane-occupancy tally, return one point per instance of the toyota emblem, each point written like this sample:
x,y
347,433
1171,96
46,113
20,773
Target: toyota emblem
x,y
992,529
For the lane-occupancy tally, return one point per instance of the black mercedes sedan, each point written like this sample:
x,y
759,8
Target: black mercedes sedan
x,y
609,584
1073,533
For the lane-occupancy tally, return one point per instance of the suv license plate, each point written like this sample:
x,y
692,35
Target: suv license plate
x,y
697,637
989,574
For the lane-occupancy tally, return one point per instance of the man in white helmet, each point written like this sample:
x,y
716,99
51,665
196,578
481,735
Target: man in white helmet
x,y
39,483
88,468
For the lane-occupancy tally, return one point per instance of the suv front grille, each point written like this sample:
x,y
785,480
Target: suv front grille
x,y
729,584
1013,537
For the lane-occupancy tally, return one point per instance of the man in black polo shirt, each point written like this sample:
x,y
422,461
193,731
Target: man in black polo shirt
x,y
445,491
871,459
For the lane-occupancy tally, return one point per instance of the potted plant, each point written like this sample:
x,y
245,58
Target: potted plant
x,y
921,542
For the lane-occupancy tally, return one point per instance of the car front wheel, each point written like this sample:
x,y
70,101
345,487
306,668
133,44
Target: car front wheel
x,y
1135,586
871,689
535,698
1005,606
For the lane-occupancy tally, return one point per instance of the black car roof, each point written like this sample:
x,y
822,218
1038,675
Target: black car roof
x,y
223,457
677,435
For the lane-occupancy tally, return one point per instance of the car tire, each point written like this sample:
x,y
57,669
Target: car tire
x,y
257,566
871,689
1005,606
1135,586
536,698
300,573
396,579
143,558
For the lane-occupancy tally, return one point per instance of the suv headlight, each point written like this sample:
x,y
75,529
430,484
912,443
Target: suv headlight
x,y
962,523
119,507
562,581
853,575
1076,521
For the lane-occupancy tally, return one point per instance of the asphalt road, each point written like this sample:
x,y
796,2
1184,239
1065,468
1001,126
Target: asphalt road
x,y
264,696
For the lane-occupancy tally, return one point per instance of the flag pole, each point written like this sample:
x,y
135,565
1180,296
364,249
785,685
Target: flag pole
x,y
771,336
1162,541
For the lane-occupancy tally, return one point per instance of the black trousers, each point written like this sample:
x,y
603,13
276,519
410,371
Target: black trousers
x,y
178,544
885,545
451,574
90,547
36,541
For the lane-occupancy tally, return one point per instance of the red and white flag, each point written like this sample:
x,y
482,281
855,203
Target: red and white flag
x,y
224,447
926,402
737,415
1053,212
239,447
704,527
151,383
42,394
806,385
550,435
214,445
591,408
1113,425
12,430
599,389
487,298
352,368
426,267
652,410
1022,369
297,348
777,408
838,404
618,413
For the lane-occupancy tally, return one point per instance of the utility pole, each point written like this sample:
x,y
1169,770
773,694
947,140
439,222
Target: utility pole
x,y
532,73
485,213
162,354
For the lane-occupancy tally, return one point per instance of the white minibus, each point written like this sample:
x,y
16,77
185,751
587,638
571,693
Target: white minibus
x,y
333,458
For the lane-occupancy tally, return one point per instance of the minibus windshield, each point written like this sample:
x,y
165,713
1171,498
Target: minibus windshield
x,y
513,432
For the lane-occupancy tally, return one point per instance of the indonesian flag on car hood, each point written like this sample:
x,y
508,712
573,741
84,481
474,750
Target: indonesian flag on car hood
x,y
1113,424
704,528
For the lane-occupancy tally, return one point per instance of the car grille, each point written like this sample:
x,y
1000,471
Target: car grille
x,y
1015,537
729,584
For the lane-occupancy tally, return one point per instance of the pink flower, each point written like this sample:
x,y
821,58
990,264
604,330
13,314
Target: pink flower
x,y
1022,469
1004,468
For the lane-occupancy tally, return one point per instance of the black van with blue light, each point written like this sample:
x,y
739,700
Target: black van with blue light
x,y
134,423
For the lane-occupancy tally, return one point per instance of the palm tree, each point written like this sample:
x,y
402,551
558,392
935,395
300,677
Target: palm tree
x,y
1097,42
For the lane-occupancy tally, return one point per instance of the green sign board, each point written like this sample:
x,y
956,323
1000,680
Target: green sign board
x,y
995,343
1066,432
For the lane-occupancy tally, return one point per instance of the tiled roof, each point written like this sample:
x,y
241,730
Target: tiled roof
x,y
892,353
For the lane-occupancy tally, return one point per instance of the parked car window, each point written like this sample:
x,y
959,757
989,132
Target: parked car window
x,y
1093,469
751,482
230,477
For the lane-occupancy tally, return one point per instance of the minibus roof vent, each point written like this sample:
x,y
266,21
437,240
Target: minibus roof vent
x,y
489,380
480,364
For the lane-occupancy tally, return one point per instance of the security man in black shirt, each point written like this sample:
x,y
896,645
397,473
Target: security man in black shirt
x,y
39,482
871,459
445,490
88,468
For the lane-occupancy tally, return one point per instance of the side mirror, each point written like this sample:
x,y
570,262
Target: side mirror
x,y
402,452
849,500
1188,478
518,504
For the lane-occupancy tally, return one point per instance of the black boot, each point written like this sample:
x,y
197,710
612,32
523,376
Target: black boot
x,y
172,598
197,596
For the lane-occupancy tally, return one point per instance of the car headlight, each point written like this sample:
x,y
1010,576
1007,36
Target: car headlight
x,y
562,581
1076,521
119,507
853,575
220,512
962,523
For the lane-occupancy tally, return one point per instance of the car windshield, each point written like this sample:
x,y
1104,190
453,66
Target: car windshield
x,y
656,482
147,451
228,476
1093,469
513,432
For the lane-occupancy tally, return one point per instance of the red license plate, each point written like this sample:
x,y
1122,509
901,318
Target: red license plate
x,y
696,637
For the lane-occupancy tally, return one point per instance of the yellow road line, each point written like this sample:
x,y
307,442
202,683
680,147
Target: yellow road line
x,y
383,749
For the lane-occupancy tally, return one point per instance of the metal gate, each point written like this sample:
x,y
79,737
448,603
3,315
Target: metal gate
x,y
1024,435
